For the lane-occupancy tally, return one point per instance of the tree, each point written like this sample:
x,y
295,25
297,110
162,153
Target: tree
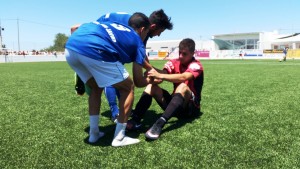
x,y
59,43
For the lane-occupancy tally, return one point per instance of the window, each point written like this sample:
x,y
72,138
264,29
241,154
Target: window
x,y
250,47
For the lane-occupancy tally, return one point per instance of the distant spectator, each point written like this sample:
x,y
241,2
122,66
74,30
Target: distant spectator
x,y
241,54
23,53
285,51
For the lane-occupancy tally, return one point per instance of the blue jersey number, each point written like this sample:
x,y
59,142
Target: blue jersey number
x,y
120,27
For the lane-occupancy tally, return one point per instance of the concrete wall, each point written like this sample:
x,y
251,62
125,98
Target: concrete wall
x,y
31,58
215,54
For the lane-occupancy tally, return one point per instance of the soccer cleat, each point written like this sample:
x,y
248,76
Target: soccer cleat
x,y
79,85
94,137
133,125
124,142
154,132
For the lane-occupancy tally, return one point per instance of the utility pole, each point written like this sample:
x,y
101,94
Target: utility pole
x,y
1,29
18,35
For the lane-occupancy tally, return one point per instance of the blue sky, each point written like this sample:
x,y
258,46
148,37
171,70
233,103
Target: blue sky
x,y
41,20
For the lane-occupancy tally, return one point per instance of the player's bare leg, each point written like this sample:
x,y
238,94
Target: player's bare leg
x,y
94,109
126,90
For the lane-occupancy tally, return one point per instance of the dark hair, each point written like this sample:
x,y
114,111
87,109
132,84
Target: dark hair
x,y
187,43
161,19
138,20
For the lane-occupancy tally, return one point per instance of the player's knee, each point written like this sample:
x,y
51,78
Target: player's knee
x,y
125,85
152,89
183,89
148,88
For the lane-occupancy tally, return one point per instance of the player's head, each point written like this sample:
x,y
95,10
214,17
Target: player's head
x,y
186,50
159,23
140,23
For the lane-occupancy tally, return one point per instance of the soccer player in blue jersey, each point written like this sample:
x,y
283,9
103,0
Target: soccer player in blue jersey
x,y
96,52
159,21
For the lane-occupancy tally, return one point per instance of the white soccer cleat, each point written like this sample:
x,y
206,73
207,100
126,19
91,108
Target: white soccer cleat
x,y
94,137
124,142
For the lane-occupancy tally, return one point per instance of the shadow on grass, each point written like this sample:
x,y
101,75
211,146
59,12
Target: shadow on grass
x,y
106,114
109,131
180,122
149,119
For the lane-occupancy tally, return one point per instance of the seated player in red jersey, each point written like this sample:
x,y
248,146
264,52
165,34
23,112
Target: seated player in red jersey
x,y
186,74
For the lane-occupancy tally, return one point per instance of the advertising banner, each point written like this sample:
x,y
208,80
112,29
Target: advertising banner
x,y
202,53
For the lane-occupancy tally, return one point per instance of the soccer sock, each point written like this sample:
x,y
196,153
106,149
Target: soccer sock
x,y
142,106
114,110
120,131
166,97
94,122
161,122
120,139
94,133
110,93
161,105
175,105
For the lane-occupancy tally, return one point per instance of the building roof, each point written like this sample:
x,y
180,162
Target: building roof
x,y
230,34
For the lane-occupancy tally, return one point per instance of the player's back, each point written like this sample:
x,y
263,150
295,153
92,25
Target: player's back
x,y
107,41
117,17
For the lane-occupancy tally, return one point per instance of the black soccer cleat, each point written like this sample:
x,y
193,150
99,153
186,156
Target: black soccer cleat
x,y
154,132
133,125
79,86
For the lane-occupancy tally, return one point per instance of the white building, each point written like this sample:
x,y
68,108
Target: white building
x,y
256,40
235,41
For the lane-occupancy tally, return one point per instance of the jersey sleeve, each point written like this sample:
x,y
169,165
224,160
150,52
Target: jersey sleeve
x,y
195,68
169,67
140,55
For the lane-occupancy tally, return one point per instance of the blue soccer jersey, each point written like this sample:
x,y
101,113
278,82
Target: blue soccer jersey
x,y
109,42
118,17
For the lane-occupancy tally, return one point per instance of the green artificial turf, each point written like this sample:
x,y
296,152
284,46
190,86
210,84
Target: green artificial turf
x,y
250,120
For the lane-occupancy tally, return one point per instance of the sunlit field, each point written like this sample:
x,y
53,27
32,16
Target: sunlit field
x,y
250,119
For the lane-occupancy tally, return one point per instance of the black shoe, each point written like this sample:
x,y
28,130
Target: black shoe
x,y
79,85
133,125
154,132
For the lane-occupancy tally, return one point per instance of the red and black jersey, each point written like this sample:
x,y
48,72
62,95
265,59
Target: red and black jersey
x,y
196,68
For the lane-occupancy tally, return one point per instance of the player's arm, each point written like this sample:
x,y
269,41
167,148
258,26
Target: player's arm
x,y
148,66
174,78
138,76
74,28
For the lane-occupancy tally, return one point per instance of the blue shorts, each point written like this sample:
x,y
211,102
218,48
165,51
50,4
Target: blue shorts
x,y
104,73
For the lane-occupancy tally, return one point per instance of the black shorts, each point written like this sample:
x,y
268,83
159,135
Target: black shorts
x,y
189,111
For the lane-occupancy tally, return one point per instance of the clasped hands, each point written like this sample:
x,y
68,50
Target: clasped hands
x,y
153,76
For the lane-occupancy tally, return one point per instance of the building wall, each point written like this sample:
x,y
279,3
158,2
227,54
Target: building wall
x,y
170,45
238,40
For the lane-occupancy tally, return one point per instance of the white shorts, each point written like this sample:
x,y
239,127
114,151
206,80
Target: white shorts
x,y
105,73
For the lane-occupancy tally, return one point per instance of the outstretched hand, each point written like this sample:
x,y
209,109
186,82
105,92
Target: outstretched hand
x,y
153,73
153,76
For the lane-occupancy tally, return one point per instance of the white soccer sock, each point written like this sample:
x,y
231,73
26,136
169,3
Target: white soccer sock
x,y
94,133
94,122
120,139
120,131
